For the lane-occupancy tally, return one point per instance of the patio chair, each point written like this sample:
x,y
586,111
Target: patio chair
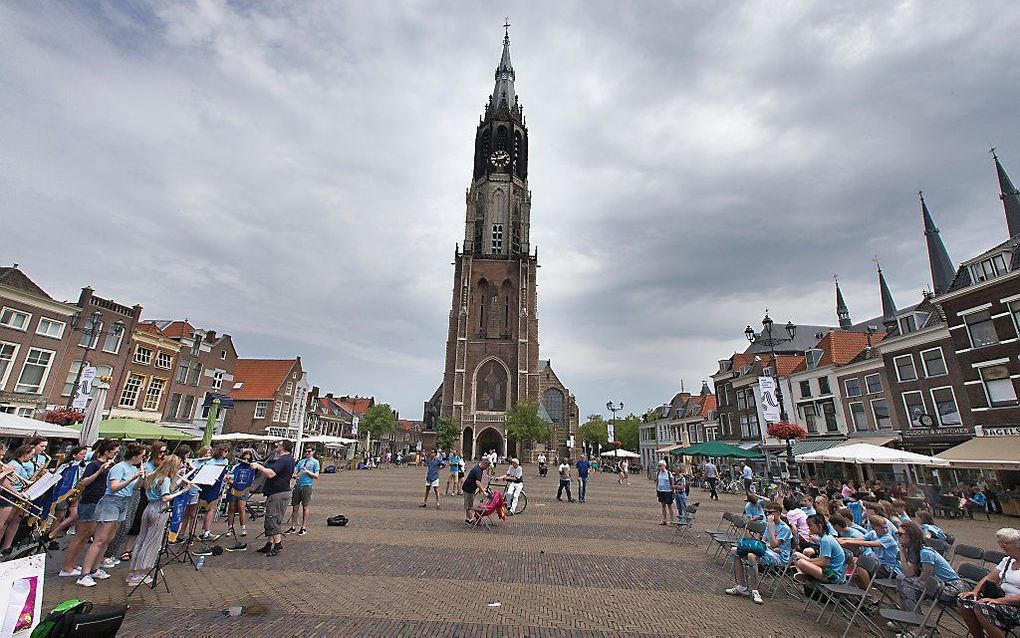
x,y
782,578
971,574
849,599
968,551
940,546
993,556
915,621
724,542
725,526
753,529
683,528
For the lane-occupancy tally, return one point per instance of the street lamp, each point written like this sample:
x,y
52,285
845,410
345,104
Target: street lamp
x,y
614,409
766,338
93,330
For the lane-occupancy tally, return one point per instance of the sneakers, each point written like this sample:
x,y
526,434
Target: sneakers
x,y
737,591
265,548
110,563
756,597
86,581
134,581
237,547
208,536
244,532
302,532
291,530
203,551
100,574
74,572
231,532
275,550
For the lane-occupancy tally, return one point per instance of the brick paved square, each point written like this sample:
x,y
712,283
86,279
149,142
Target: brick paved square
x,y
561,569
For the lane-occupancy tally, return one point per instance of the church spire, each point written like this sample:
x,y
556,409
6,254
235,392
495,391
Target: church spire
x,y
842,312
504,89
942,270
888,305
1010,198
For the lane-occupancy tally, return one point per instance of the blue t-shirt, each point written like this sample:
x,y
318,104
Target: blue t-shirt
x,y
244,476
852,532
664,482
935,531
149,466
754,510
857,509
435,463
158,489
889,552
829,548
940,566
785,537
22,469
304,480
979,498
892,526
121,472
582,469
455,463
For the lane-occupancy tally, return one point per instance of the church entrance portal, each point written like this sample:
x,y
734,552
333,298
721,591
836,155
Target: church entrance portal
x,y
490,439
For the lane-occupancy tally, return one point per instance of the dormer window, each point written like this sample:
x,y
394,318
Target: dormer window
x,y
745,370
767,372
912,322
812,357
988,268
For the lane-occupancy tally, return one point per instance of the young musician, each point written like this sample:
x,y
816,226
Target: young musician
x,y
65,508
188,465
92,486
23,468
128,534
157,487
241,480
278,474
307,470
6,505
122,480
209,495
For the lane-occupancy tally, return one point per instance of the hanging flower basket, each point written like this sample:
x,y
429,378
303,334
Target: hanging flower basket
x,y
63,416
615,444
786,430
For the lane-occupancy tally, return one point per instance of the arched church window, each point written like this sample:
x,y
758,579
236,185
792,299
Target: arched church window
x,y
501,137
553,402
497,238
491,387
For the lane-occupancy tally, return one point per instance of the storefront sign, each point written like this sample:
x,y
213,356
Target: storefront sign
x,y
924,433
980,430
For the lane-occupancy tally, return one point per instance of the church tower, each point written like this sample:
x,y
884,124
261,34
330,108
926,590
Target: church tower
x,y
492,343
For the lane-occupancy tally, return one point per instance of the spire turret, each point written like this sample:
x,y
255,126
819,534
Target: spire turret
x,y
504,89
942,269
1010,198
842,312
888,305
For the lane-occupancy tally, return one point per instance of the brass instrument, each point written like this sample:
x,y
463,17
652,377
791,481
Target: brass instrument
x,y
18,500
75,492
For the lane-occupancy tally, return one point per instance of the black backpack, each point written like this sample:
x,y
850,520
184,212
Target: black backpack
x,y
337,521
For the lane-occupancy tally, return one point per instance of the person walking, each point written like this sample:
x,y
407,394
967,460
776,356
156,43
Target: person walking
x,y
583,466
277,486
307,470
456,471
748,475
434,464
472,486
712,476
564,469
664,492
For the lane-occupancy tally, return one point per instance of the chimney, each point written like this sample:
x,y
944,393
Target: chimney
x,y
210,335
329,395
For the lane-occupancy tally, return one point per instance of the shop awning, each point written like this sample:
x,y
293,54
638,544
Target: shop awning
x,y
716,449
988,452
866,454
669,448
138,431
23,427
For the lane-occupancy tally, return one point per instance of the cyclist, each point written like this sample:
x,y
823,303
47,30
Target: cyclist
x,y
514,479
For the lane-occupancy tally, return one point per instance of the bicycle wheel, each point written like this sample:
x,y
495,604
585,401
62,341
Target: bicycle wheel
x,y
522,503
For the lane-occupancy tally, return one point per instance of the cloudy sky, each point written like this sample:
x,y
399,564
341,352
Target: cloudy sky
x,y
293,173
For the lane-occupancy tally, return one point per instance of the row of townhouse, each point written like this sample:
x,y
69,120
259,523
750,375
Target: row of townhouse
x,y
684,420
158,371
924,377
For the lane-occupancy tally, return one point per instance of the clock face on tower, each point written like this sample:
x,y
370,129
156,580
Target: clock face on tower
x,y
500,159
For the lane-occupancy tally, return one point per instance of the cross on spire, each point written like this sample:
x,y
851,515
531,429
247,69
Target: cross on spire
x,y
506,27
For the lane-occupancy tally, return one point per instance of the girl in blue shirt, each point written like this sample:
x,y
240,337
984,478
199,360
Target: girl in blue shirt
x,y
829,566
157,486
928,526
777,538
20,469
919,564
885,546
241,479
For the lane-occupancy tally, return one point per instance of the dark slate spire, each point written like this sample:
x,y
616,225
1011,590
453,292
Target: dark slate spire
x,y
888,305
504,89
705,390
842,312
942,270
1010,198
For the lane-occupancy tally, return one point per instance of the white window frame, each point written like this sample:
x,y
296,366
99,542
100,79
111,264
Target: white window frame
x,y
497,238
119,336
138,391
988,396
913,367
28,319
72,374
46,371
970,337
290,388
148,394
935,406
217,380
166,356
10,365
858,427
846,386
54,322
874,414
277,410
25,412
223,355
812,356
924,364
94,330
867,386
260,409
906,408
141,359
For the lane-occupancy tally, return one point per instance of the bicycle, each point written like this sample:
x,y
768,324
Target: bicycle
x,y
522,498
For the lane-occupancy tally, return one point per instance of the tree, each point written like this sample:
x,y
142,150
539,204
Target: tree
x,y
524,424
626,430
378,420
447,433
594,431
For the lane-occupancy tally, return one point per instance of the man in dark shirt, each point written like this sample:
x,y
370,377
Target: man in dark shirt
x,y
277,492
473,485
582,478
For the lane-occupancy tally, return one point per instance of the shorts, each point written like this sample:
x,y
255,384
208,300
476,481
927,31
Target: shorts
x,y
832,576
469,501
276,507
302,495
238,494
112,509
434,483
771,559
87,512
666,498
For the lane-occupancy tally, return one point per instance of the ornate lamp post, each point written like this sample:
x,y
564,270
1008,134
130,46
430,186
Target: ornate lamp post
x,y
93,330
766,338
614,409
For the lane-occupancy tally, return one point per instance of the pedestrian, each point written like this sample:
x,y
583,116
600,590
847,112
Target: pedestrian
x,y
664,492
471,486
680,490
307,470
583,466
277,486
543,469
564,470
712,476
434,464
456,471
747,474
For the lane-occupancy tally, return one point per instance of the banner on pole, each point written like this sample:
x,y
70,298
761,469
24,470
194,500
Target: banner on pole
x,y
610,432
354,426
177,507
84,389
769,402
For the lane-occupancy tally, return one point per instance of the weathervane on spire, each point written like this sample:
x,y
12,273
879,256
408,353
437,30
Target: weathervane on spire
x,y
506,27
877,263
992,151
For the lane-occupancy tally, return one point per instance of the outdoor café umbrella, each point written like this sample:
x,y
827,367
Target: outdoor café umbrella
x,y
716,449
139,431
625,454
93,415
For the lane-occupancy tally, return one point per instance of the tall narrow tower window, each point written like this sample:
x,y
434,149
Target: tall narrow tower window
x,y
497,238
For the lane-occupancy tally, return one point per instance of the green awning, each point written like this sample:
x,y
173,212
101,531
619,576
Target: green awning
x,y
717,449
138,431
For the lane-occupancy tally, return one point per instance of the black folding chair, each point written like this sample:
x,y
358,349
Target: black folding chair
x,y
683,528
915,621
968,551
849,599
940,546
725,526
993,556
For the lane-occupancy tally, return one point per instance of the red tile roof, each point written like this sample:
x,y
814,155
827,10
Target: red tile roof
x,y
356,405
178,329
260,378
708,403
148,327
840,347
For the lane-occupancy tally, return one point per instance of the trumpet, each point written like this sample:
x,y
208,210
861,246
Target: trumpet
x,y
18,500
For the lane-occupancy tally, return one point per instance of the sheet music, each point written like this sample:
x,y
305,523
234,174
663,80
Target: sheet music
x,y
45,482
208,474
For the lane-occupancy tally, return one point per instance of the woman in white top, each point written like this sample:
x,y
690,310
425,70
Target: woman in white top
x,y
996,616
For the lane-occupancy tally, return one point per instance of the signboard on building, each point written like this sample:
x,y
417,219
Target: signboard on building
x,y
769,402
980,430
84,389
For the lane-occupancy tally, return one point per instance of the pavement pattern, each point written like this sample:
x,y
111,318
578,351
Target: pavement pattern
x,y
603,568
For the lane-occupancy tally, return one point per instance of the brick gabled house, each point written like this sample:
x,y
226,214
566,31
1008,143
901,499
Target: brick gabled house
x,y
142,391
264,393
